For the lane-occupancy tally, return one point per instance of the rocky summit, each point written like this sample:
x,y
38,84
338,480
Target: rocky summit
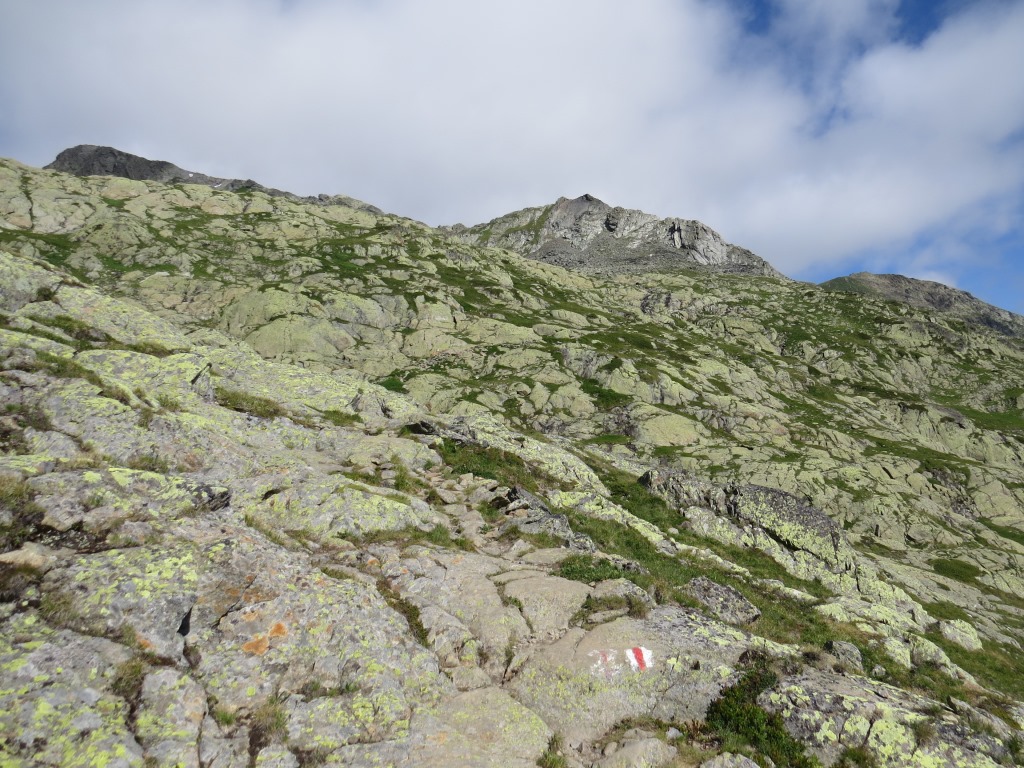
x,y
591,235
294,482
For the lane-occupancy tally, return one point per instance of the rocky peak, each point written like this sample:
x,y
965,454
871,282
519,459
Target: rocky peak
x,y
93,160
587,233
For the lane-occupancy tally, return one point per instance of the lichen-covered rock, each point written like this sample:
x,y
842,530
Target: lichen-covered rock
x,y
459,585
960,632
57,706
785,518
831,713
144,592
725,602
170,717
642,753
847,654
670,665
548,601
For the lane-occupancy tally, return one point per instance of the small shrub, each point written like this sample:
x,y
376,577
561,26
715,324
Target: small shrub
x,y
341,419
57,608
552,757
168,403
737,714
94,500
405,481
128,679
924,732
16,495
856,757
146,417
224,717
268,724
149,462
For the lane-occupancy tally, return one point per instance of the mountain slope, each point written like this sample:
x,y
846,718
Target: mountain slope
x,y
240,422
928,295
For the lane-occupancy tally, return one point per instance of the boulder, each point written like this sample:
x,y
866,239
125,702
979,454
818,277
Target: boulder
x,y
725,602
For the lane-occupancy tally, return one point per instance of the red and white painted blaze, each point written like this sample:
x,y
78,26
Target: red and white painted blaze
x,y
639,658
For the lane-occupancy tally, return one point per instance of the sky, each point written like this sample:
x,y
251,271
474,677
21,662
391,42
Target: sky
x,y
827,136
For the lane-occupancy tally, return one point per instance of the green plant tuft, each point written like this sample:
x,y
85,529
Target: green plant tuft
x,y
243,402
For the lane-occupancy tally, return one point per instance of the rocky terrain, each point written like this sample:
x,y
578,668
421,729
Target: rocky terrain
x,y
298,483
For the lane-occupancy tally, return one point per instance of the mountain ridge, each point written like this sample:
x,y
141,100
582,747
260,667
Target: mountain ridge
x,y
568,239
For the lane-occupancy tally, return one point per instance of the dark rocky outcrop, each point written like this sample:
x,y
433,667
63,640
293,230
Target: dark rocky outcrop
x,y
93,160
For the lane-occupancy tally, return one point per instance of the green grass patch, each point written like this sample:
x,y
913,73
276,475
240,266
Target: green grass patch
x,y
268,724
392,383
628,493
947,611
958,570
587,568
409,611
608,439
18,498
997,667
1007,532
553,757
128,679
494,464
340,418
243,402
151,348
83,334
604,398
149,462
438,536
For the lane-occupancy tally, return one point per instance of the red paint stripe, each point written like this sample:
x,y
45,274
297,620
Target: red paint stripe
x,y
638,654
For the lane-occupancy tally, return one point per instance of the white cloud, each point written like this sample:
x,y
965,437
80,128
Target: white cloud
x,y
826,139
